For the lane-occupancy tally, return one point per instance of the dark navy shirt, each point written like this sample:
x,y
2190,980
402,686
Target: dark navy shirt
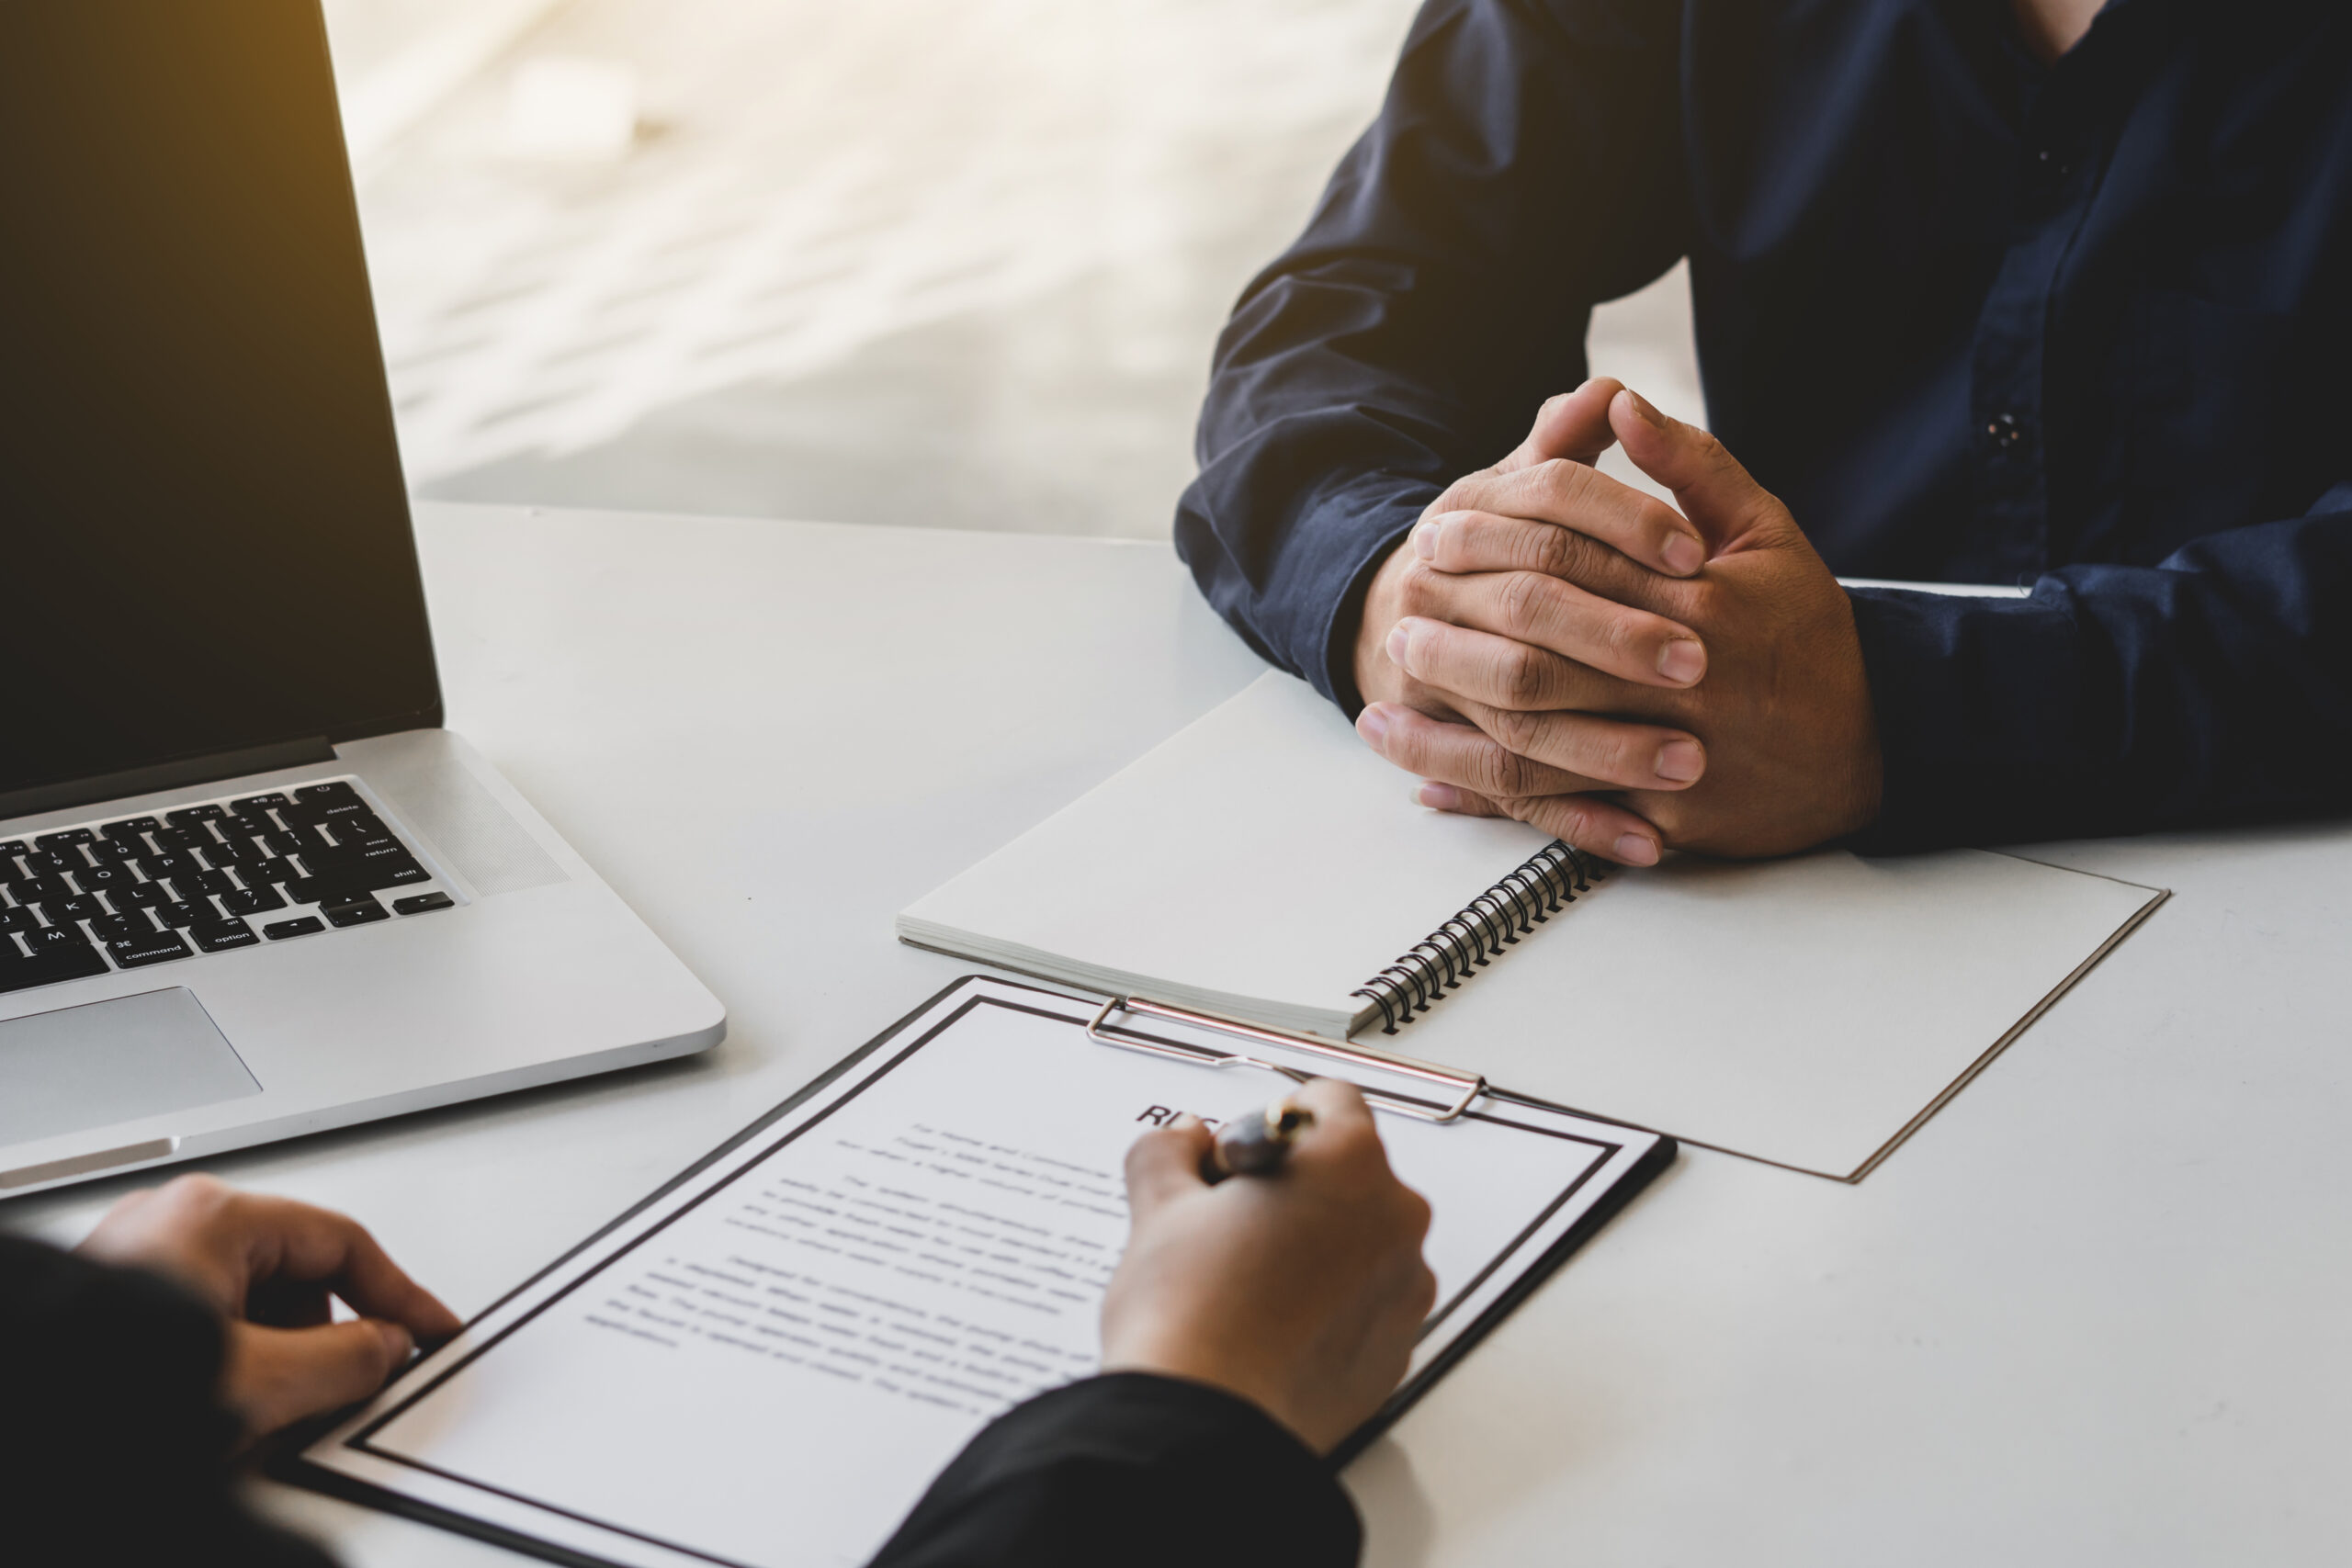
x,y
2082,327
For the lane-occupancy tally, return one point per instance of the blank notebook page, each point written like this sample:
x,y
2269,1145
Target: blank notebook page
x,y
1264,862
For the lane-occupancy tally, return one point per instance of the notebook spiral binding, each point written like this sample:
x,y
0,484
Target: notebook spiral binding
x,y
1495,919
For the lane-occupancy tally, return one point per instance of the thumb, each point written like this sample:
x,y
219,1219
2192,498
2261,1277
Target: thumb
x,y
1716,493
1573,425
1165,1164
276,1376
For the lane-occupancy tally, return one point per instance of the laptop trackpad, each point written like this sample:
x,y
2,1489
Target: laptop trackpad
x,y
113,1060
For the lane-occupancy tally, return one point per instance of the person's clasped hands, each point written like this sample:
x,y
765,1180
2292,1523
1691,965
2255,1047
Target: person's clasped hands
x,y
1551,644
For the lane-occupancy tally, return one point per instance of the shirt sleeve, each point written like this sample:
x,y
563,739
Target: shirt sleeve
x,y
1526,164
113,1448
1142,1471
2214,686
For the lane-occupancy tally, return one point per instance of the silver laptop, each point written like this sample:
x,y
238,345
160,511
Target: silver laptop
x,y
249,887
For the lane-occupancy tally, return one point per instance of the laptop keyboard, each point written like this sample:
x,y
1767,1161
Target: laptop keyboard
x,y
213,878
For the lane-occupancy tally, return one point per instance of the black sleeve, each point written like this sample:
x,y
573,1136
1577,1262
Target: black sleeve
x,y
1143,1472
112,1446
2216,686
1526,164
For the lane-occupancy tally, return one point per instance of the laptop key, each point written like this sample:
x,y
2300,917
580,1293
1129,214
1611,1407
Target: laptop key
x,y
221,936
356,912
422,903
184,912
351,882
17,918
187,814
19,973
129,828
142,895
307,925
160,947
80,907
121,927
252,901
71,836
55,939
37,889
256,804
103,878
197,882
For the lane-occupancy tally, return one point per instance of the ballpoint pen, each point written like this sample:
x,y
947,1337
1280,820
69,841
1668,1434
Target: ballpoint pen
x,y
1256,1143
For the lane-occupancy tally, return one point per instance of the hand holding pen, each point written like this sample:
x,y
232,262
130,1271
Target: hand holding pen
x,y
1301,1289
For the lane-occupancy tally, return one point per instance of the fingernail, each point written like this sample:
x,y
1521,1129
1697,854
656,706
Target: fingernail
x,y
1682,554
1400,640
1425,541
1439,796
397,1340
1373,725
1680,761
1682,661
1635,849
1650,417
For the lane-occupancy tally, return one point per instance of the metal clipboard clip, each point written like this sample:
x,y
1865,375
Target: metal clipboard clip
x,y
1465,1088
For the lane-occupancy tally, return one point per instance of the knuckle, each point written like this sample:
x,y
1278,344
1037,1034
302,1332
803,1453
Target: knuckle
x,y
1520,603
1417,593
1521,675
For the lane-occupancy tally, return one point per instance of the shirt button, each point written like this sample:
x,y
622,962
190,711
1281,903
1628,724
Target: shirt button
x,y
2004,430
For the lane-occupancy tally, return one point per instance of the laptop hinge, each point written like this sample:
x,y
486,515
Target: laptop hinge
x,y
166,775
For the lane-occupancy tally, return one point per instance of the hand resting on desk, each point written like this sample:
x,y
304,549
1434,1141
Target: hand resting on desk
x,y
1552,646
267,1266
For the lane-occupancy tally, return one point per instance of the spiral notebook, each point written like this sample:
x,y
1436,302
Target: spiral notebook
x,y
1264,864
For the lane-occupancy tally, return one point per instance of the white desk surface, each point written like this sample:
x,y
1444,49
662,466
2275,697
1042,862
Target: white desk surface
x,y
2093,1313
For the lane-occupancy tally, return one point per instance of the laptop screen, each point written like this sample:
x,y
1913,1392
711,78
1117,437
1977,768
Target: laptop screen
x,y
204,535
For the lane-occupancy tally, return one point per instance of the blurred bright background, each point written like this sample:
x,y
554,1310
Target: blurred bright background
x,y
941,263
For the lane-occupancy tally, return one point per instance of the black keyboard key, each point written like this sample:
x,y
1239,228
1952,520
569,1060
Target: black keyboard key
x,y
197,882
16,919
236,853
80,907
188,814
356,912
422,903
159,867
143,895
195,836
184,912
346,882
129,830
13,847
113,852
121,927
103,878
223,936
280,845
259,900
44,862
35,889
261,874
279,930
161,948
55,939
66,839
257,805
18,973
337,794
